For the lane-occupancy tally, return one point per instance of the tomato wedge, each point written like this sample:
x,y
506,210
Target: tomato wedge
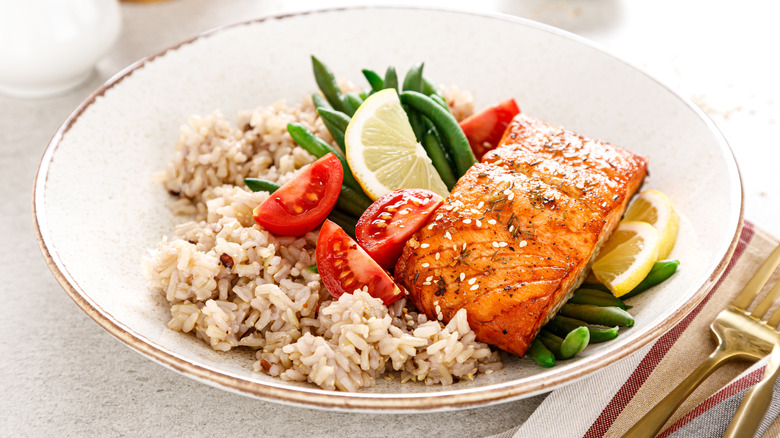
x,y
485,129
305,201
345,267
388,223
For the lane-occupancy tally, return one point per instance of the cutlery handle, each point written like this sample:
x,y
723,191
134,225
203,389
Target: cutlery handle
x,y
649,425
756,401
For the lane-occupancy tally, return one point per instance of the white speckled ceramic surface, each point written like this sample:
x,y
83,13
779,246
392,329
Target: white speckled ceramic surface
x,y
99,211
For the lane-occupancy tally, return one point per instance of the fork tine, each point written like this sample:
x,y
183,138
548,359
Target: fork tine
x,y
767,302
754,286
775,319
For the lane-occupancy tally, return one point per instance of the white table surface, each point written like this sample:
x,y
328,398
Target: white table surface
x,y
62,375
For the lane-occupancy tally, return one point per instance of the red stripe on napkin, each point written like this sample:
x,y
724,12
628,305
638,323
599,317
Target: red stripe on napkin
x,y
733,388
659,350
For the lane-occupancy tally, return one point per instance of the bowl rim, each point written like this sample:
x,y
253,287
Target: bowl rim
x,y
359,401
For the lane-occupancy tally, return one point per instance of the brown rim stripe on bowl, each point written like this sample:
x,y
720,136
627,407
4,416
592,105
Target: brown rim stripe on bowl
x,y
313,397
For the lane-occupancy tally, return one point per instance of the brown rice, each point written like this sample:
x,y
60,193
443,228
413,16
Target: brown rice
x,y
233,284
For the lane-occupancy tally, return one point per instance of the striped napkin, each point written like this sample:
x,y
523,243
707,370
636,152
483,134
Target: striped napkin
x,y
614,398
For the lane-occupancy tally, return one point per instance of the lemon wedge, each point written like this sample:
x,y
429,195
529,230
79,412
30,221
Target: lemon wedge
x,y
383,152
627,257
655,208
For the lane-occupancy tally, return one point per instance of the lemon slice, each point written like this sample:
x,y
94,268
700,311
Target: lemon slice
x,y
655,208
383,152
627,256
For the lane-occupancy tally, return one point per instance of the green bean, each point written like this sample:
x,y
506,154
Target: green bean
x,y
307,140
343,220
357,198
339,119
596,286
597,298
440,100
429,88
435,150
660,272
413,81
391,78
261,185
352,201
429,126
319,148
351,103
540,354
416,122
349,202
346,206
562,325
313,268
448,127
609,316
320,102
336,122
568,346
551,341
374,80
327,83
574,342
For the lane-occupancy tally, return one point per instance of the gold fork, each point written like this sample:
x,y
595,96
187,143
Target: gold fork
x,y
756,401
739,334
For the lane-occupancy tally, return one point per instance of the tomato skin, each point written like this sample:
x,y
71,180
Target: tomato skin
x,y
301,204
485,129
338,254
383,229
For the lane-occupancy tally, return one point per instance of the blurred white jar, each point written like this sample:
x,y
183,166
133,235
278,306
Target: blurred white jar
x,y
50,46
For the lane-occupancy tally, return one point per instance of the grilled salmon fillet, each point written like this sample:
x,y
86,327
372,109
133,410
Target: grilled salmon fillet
x,y
519,230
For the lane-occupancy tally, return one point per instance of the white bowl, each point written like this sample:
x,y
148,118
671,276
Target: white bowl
x,y
98,210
